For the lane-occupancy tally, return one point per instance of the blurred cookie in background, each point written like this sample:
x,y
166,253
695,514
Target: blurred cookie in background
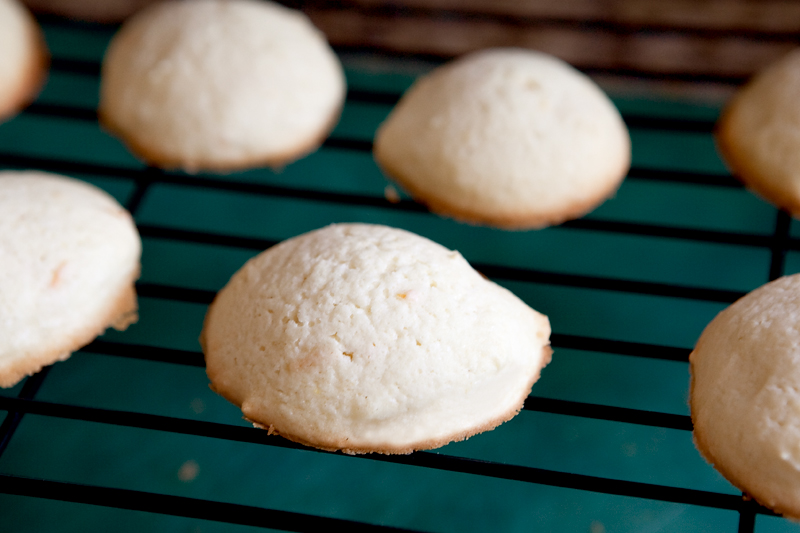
x,y
23,58
506,137
211,85
758,133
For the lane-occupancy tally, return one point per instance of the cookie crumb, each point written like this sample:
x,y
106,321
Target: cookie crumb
x,y
391,194
188,471
597,527
198,405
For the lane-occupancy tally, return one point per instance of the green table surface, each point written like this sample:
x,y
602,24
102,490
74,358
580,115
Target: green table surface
x,y
635,282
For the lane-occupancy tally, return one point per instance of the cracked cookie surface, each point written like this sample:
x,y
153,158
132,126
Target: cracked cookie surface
x,y
366,338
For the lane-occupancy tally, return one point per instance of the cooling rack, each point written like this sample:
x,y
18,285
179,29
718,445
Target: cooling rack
x,y
126,435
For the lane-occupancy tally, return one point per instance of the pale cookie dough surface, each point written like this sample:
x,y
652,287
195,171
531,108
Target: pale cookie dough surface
x,y
506,137
69,255
745,397
23,58
371,339
220,85
758,134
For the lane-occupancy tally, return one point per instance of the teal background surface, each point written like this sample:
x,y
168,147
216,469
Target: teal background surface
x,y
332,485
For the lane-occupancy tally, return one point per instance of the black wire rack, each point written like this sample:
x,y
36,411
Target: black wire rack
x,y
772,246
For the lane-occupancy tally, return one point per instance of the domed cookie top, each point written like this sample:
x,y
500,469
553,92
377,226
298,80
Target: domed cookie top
x,y
23,58
371,339
506,137
220,85
758,134
69,255
744,395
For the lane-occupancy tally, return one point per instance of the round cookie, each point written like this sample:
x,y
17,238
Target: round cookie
x,y
506,137
366,338
69,255
23,58
220,85
745,403
758,134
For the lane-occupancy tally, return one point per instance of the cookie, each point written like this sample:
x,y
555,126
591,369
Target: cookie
x,y
23,58
745,398
69,255
509,138
758,134
220,85
366,338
